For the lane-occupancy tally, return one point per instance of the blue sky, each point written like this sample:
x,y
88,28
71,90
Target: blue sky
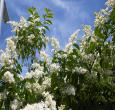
x,y
69,15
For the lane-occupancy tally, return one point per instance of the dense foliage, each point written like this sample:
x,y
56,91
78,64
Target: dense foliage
x,y
79,77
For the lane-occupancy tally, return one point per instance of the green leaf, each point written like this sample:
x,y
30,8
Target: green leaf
x,y
47,10
39,23
112,16
47,27
98,33
50,15
92,47
48,22
76,46
31,10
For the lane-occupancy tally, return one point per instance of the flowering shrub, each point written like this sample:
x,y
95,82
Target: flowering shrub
x,y
79,77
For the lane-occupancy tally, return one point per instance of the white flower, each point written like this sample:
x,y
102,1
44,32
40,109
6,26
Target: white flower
x,y
89,57
54,43
10,44
15,26
62,107
99,19
64,55
30,38
49,101
69,47
37,66
46,39
34,74
74,35
74,56
8,77
102,16
87,30
41,29
48,96
5,58
43,55
28,86
47,82
20,77
14,104
37,88
48,104
36,106
110,3
23,22
37,73
80,70
94,38
54,67
34,19
70,90
106,11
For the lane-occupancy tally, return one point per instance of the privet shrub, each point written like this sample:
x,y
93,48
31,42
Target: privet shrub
x,y
78,77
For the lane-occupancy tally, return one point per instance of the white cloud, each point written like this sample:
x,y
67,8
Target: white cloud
x,y
73,10
60,3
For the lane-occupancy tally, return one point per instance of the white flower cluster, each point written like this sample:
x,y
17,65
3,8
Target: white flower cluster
x,y
110,3
94,38
102,16
100,19
37,66
34,74
51,104
8,77
89,57
35,19
34,87
54,67
80,70
37,106
46,39
30,38
23,22
74,36
88,34
16,26
38,88
10,44
62,107
69,90
15,104
87,30
7,56
41,29
48,104
43,55
69,46
37,73
55,43
47,82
